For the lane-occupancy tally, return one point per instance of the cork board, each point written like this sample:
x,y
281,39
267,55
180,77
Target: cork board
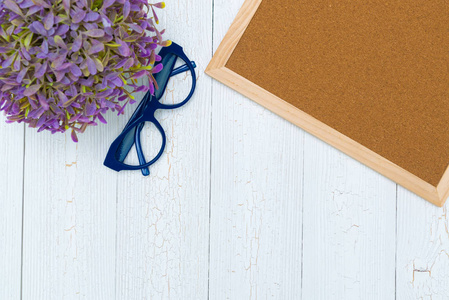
x,y
368,77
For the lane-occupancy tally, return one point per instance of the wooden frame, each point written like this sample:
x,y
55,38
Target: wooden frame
x,y
217,69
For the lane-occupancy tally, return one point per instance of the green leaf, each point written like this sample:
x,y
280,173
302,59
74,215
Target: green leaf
x,y
98,64
113,45
27,41
17,22
106,58
59,41
146,68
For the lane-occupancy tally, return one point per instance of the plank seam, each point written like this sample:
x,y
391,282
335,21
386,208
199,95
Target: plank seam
x,y
302,208
210,153
23,214
396,247
116,235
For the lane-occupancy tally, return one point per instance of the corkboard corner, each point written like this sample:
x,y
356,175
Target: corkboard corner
x,y
217,69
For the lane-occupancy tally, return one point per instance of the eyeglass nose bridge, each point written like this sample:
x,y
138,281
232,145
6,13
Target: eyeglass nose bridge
x,y
182,69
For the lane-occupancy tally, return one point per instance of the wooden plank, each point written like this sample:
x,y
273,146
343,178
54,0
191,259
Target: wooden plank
x,y
69,216
11,180
256,213
217,70
349,227
163,219
423,249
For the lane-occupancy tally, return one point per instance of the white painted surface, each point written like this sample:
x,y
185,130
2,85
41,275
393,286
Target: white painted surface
x,y
69,234
423,249
349,227
242,205
11,191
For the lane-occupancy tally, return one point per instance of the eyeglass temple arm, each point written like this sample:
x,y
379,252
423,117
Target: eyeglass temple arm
x,y
181,69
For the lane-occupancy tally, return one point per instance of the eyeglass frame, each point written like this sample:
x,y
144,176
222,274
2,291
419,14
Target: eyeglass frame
x,y
145,113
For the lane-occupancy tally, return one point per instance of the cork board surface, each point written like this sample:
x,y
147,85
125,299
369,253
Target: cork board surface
x,y
374,70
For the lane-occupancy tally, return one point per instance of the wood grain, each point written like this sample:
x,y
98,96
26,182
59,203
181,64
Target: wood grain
x,y
69,216
256,212
163,219
349,227
11,184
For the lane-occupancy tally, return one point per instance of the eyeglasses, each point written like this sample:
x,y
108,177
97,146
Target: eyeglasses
x,y
145,113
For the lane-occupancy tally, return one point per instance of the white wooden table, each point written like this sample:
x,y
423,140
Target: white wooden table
x,y
242,205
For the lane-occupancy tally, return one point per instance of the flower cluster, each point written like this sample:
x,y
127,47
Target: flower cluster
x,y
64,63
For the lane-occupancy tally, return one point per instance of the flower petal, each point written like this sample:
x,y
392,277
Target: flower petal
x,y
95,33
73,136
12,6
58,61
39,28
77,44
91,17
66,4
140,74
102,119
91,66
21,75
96,48
8,62
41,3
98,64
124,48
75,70
126,9
62,97
129,63
91,108
40,72
49,21
107,3
32,90
78,16
157,68
59,42
62,29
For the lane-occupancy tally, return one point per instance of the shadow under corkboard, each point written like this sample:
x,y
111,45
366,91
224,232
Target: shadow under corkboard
x,y
373,73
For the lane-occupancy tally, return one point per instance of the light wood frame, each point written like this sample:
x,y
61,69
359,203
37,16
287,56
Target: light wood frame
x,y
217,69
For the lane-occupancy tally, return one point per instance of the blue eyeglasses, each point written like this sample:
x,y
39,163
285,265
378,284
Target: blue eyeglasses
x,y
145,113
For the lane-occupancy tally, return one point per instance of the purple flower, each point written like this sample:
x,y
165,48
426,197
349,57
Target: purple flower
x,y
65,63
